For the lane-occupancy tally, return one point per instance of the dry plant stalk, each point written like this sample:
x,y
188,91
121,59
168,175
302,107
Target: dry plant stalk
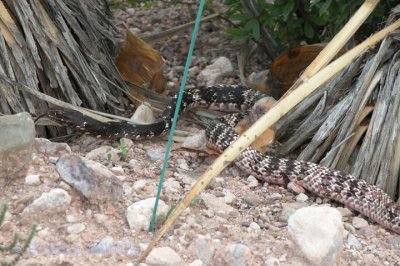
x,y
337,43
267,120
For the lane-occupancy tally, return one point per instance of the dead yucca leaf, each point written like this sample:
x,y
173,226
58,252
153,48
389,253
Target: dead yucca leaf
x,y
140,64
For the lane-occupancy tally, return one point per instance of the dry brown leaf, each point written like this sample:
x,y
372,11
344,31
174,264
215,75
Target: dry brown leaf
x,y
140,64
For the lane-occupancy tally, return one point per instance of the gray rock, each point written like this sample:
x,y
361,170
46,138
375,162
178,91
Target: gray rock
x,y
352,241
164,256
16,137
229,197
395,241
139,213
288,209
213,73
197,141
143,114
90,178
45,146
103,247
252,199
218,205
233,255
75,228
103,153
54,201
205,249
359,222
318,233
155,155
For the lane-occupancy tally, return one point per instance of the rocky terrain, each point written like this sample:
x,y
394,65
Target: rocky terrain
x,y
92,199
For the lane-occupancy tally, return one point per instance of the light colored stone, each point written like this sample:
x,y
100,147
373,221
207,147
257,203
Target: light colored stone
x,y
205,249
155,155
32,180
118,170
172,186
17,135
234,254
197,141
92,179
359,222
352,241
196,263
252,181
143,114
288,209
229,197
218,205
139,213
213,73
104,246
254,226
164,256
301,197
103,153
54,201
52,149
318,233
76,228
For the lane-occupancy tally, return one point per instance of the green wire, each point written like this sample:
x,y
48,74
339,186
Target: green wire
x,y
178,104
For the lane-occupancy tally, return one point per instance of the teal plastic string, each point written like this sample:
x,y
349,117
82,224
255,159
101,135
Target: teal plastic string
x,y
178,105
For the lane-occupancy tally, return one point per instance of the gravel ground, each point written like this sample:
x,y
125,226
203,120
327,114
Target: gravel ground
x,y
236,221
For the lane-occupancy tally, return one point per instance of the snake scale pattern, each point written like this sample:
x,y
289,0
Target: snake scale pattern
x,y
354,193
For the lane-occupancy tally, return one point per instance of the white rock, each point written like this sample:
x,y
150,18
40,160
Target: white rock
x,y
359,222
56,200
219,206
75,228
143,114
254,226
196,263
140,184
32,180
213,73
165,256
229,197
70,218
253,182
104,246
318,233
139,213
197,141
301,197
172,186
352,241
155,155
118,170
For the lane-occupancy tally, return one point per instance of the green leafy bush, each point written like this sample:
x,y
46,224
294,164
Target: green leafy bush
x,y
293,21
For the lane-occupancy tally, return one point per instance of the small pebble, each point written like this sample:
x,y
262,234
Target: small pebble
x,y
32,180
301,197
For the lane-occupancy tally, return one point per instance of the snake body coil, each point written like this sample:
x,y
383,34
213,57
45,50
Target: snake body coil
x,y
356,194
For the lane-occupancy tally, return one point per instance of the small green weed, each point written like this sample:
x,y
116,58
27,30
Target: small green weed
x,y
12,247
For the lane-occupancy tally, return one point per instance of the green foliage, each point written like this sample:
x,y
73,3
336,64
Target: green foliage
x,y
123,148
12,247
295,20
